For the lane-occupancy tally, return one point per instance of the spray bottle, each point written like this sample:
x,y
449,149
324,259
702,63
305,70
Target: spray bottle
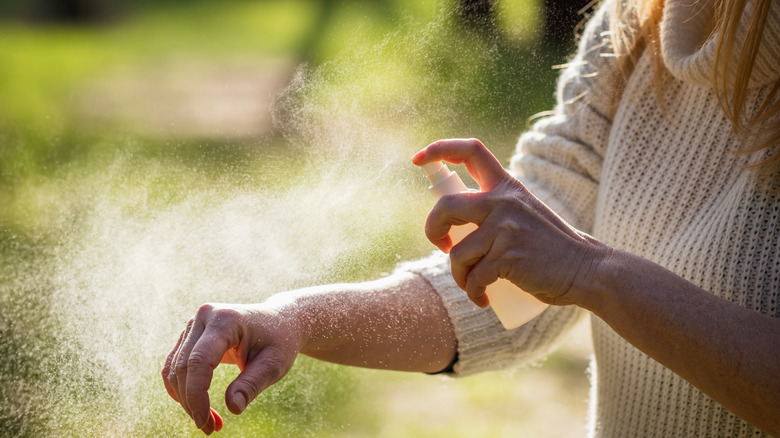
x,y
512,305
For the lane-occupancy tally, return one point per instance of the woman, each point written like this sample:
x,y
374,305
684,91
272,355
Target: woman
x,y
663,147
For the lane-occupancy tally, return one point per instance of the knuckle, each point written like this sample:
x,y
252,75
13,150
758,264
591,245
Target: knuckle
x,y
180,368
456,254
507,225
224,317
225,313
429,233
475,278
253,387
460,256
197,360
447,202
507,265
483,274
204,311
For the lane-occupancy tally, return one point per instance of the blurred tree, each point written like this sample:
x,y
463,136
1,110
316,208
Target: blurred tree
x,y
477,14
561,18
71,11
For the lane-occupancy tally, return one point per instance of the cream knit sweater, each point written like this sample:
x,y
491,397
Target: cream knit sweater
x,y
668,187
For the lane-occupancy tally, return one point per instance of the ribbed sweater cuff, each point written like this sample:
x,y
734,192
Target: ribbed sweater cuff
x,y
480,336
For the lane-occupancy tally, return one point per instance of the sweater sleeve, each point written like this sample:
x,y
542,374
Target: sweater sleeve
x,y
559,160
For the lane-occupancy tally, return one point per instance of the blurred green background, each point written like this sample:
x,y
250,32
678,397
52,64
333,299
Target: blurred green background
x,y
155,155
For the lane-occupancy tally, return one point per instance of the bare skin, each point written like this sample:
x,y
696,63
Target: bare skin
x,y
730,353
397,323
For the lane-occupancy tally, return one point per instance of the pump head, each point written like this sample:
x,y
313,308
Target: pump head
x,y
436,172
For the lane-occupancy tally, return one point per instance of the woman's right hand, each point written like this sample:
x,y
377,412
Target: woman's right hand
x,y
518,237
262,339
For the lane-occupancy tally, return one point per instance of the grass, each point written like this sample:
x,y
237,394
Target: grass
x,y
111,236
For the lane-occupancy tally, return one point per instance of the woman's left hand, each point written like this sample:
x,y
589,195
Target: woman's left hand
x,y
518,237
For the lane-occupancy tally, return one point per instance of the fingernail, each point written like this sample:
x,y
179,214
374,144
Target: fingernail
x,y
240,401
217,421
418,157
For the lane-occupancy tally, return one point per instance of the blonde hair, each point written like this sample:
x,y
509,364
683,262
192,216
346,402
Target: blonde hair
x,y
635,27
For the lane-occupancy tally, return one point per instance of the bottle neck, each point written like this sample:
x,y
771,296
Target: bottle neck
x,y
450,185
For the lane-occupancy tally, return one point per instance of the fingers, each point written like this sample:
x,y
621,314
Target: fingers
x,y
454,221
481,164
180,368
189,375
479,277
188,369
464,257
169,379
205,356
453,210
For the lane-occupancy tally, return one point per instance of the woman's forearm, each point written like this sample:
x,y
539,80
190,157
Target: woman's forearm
x,y
729,352
397,323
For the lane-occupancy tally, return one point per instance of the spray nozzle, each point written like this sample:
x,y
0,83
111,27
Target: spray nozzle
x,y
436,172
443,180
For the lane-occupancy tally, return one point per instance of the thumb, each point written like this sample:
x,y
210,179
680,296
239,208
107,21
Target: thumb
x,y
267,368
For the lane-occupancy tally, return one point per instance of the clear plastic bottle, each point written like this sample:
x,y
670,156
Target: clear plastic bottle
x,y
513,306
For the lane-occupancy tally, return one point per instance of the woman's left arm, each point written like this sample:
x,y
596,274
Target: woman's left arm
x,y
729,352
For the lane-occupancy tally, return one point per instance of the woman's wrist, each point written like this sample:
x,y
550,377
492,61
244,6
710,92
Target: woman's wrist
x,y
620,280
323,317
294,310
596,277
397,322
